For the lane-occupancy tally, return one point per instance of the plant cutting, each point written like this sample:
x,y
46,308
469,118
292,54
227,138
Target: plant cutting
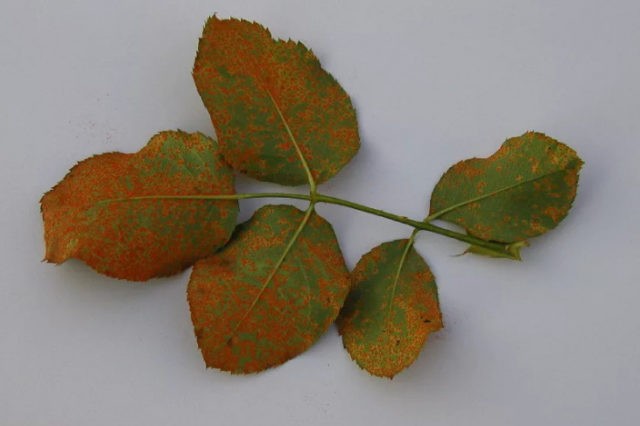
x,y
263,291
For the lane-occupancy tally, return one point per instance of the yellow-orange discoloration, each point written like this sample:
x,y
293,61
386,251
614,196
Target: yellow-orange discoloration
x,y
392,309
275,94
250,312
141,239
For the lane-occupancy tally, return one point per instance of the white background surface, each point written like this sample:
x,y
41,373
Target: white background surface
x,y
554,340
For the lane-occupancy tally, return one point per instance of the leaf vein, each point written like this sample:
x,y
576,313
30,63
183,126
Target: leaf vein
x,y
396,278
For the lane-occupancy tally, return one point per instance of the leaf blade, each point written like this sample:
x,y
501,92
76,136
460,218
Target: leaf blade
x,y
141,239
247,317
521,191
392,308
272,104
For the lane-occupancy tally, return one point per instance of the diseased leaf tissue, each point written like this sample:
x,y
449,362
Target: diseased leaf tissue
x,y
264,291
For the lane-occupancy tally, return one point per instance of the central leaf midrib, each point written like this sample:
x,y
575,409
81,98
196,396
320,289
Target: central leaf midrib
x,y
303,160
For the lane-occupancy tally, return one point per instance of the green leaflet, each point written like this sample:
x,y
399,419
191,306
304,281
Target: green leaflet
x,y
523,190
270,293
391,309
90,215
273,105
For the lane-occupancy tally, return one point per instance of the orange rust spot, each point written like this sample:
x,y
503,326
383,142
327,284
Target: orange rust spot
x,y
571,178
467,169
535,165
554,213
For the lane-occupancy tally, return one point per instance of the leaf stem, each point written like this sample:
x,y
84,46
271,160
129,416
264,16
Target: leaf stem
x,y
509,250
424,226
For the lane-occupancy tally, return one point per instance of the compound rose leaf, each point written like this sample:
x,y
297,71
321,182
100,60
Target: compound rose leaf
x,y
270,102
391,309
270,293
90,215
523,190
